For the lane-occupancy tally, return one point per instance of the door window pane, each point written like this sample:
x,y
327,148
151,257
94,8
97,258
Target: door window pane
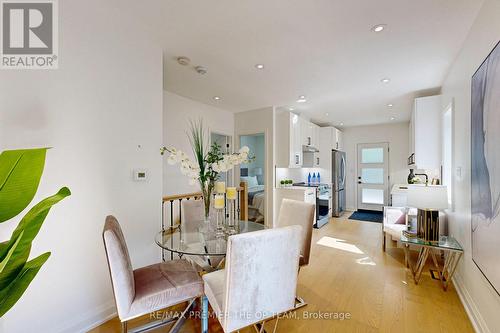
x,y
372,175
372,196
372,155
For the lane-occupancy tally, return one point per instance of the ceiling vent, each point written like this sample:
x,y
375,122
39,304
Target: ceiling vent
x,y
201,70
184,61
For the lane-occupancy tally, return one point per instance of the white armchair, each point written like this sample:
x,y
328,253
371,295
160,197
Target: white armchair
x,y
392,226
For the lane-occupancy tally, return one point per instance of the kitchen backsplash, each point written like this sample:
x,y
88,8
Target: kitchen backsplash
x,y
298,174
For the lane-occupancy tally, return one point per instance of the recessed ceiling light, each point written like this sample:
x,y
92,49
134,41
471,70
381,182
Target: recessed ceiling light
x,y
302,99
385,80
378,27
392,118
341,124
390,105
259,66
216,98
291,109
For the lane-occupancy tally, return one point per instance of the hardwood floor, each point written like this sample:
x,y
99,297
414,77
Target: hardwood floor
x,y
349,274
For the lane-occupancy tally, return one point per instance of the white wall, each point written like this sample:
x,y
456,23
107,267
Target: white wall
x,y
95,110
481,300
260,121
395,134
177,112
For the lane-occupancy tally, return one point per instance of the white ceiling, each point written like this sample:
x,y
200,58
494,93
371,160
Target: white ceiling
x,y
323,49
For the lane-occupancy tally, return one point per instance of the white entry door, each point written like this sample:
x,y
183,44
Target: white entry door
x,y
373,176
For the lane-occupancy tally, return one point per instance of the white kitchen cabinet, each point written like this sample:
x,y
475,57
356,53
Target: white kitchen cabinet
x,y
288,141
309,133
425,133
305,132
339,142
329,138
315,135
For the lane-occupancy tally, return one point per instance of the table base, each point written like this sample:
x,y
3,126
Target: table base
x,y
445,273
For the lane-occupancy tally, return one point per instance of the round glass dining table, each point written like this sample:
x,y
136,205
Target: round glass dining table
x,y
200,239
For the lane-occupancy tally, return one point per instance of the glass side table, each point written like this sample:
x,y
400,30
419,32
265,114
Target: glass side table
x,y
452,253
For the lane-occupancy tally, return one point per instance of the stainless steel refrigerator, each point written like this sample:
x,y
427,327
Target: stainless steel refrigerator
x,y
338,182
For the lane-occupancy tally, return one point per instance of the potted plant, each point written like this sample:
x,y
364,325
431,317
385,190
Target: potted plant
x,y
210,161
20,173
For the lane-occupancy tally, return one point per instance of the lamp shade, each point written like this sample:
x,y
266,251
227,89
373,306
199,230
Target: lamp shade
x,y
428,197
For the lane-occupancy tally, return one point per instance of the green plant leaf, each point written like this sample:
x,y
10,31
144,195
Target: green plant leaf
x,y
29,226
13,292
9,254
20,173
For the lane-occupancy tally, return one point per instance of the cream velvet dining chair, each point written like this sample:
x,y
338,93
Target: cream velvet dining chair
x,y
259,280
293,212
192,212
147,289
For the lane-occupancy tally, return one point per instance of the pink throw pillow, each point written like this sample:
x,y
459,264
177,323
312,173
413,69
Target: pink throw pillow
x,y
401,219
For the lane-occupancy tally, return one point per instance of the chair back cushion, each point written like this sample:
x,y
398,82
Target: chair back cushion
x,y
293,212
192,213
261,276
120,267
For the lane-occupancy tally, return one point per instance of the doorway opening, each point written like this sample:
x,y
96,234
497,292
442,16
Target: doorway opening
x,y
254,174
225,143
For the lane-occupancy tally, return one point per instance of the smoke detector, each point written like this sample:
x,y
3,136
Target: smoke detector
x,y
201,70
184,61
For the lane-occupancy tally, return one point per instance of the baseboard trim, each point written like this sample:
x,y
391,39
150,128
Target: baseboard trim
x,y
89,320
470,306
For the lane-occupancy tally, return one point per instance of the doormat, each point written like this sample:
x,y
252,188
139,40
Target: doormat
x,y
368,216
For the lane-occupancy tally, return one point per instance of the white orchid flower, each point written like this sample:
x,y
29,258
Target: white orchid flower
x,y
244,149
172,159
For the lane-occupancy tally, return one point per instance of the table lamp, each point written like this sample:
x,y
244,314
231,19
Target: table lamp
x,y
429,200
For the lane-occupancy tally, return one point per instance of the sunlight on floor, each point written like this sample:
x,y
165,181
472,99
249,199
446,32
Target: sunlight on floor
x,y
339,244
366,261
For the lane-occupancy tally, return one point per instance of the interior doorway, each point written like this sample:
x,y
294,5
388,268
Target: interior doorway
x,y
226,144
373,176
254,174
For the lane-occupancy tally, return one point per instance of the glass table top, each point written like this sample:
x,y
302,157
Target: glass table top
x,y
200,239
445,242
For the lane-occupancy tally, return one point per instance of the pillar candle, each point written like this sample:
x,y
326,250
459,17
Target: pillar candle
x,y
219,201
231,193
220,187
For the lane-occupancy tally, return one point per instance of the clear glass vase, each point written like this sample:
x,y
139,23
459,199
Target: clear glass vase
x,y
207,188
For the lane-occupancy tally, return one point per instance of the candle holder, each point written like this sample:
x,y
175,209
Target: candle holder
x,y
219,205
232,222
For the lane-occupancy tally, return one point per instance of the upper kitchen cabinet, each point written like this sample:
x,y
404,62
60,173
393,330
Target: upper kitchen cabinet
x,y
339,142
425,133
330,138
309,133
288,141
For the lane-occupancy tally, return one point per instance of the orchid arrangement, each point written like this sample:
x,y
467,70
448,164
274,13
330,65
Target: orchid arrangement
x,y
210,161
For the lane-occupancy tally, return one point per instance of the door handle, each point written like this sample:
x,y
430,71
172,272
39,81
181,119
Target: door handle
x,y
359,182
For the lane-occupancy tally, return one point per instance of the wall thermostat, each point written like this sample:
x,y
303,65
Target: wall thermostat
x,y
140,175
